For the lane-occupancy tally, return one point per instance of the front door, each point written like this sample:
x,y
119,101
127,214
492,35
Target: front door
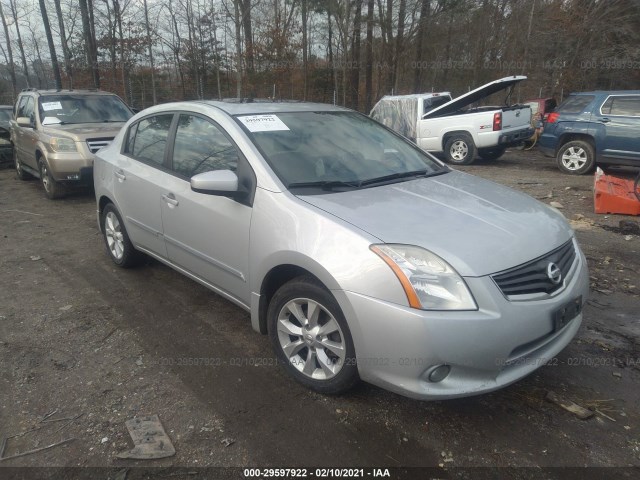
x,y
207,235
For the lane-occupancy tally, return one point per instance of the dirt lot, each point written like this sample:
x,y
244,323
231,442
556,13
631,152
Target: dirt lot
x,y
97,345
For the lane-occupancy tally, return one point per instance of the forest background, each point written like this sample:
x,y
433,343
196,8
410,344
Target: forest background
x,y
347,52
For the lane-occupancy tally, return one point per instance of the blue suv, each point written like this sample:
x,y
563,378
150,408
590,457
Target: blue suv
x,y
592,128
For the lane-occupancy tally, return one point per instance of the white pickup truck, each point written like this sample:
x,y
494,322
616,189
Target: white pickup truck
x,y
451,129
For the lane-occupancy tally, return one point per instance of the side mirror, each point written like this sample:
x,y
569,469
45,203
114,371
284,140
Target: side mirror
x,y
24,122
216,182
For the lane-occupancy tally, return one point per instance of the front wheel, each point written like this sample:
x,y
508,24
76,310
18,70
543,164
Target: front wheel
x,y
52,188
576,157
20,172
116,239
311,337
460,149
491,153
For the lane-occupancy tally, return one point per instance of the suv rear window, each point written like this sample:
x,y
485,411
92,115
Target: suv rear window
x,y
575,104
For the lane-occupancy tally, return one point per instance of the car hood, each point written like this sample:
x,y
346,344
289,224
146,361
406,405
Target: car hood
x,y
83,131
479,227
474,96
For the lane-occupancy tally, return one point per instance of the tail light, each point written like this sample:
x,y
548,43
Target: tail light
x,y
497,121
552,117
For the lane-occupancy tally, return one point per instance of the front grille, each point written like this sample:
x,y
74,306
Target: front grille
x,y
532,278
96,144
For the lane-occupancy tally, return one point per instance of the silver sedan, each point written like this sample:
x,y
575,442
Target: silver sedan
x,y
361,256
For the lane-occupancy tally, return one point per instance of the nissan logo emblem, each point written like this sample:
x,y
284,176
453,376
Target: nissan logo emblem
x,y
554,273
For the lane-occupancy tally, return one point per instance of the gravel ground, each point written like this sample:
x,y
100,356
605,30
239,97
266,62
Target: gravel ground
x,y
91,346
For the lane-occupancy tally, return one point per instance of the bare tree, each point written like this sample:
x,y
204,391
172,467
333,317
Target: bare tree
x,y
52,48
68,68
14,13
90,42
12,68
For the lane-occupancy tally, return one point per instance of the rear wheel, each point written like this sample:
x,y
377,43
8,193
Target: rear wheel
x,y
491,153
52,188
576,157
460,149
117,240
311,337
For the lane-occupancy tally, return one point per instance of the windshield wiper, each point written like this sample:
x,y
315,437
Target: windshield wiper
x,y
399,175
324,184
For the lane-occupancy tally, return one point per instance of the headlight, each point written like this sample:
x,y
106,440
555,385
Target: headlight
x,y
61,144
429,282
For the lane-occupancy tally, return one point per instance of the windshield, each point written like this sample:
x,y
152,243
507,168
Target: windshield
x,y
5,114
335,149
73,108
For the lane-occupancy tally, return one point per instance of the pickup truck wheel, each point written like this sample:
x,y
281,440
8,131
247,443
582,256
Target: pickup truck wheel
x,y
20,173
311,337
117,240
460,149
576,157
52,188
491,153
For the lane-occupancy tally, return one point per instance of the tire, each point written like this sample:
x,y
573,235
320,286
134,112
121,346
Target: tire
x,y
489,154
576,157
321,354
460,149
52,188
20,173
116,239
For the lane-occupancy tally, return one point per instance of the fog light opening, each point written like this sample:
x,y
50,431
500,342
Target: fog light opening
x,y
438,373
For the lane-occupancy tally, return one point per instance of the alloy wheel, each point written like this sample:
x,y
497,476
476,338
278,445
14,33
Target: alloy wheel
x,y
459,150
311,339
574,158
113,234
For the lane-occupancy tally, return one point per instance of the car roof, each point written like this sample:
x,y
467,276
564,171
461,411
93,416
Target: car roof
x,y
249,108
63,92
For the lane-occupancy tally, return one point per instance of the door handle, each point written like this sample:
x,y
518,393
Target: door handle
x,y
170,199
120,175
604,120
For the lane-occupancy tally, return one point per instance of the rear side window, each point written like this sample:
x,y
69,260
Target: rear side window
x,y
200,146
150,139
625,106
575,104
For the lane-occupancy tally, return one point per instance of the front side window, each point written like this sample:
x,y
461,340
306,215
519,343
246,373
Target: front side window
x,y
26,108
150,139
326,148
78,108
200,146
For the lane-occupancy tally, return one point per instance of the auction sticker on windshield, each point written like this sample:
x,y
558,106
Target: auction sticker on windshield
x,y
263,123
48,106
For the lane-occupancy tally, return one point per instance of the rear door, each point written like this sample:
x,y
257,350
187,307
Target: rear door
x,y
618,121
207,235
141,175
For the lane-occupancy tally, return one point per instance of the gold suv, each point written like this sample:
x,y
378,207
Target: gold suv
x,y
55,134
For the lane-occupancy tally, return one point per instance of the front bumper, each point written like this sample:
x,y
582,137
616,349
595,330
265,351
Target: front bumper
x,y
398,347
71,168
513,138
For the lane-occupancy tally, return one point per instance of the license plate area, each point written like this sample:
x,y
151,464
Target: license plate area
x,y
567,312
